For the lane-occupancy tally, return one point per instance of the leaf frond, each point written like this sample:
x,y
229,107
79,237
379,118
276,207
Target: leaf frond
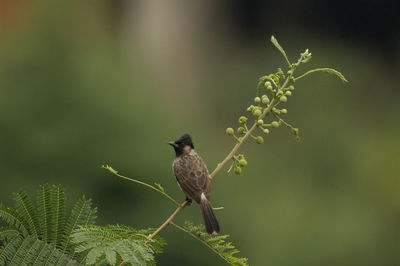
x,y
116,241
82,214
13,219
26,210
217,243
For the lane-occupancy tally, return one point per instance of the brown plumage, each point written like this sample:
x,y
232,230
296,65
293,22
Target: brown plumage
x,y
192,176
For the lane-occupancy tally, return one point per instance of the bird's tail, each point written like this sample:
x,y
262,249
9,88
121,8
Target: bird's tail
x,y
210,220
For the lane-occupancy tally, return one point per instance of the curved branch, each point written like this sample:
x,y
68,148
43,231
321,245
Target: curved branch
x,y
169,220
110,169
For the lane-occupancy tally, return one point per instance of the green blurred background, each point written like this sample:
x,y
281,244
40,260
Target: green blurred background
x,y
86,83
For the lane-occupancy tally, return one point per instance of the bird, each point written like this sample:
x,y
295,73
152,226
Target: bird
x,y
193,178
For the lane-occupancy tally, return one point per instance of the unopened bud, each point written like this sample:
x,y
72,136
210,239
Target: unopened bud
x,y
242,162
237,170
257,112
283,99
275,124
259,139
230,131
242,119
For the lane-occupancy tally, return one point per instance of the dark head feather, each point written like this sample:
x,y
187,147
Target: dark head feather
x,y
179,144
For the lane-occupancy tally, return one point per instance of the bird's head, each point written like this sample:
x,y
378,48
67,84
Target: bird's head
x,y
183,145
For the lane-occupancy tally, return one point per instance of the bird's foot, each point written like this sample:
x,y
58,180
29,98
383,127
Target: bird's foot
x,y
189,200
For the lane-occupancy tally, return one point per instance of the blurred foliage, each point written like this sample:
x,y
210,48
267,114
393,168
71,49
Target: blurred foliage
x,y
75,94
40,233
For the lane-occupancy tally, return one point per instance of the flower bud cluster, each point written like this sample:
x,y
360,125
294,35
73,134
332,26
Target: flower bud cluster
x,y
239,162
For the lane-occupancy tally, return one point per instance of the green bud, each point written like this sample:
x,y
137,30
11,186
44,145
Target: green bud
x,y
265,100
241,130
290,72
269,87
283,111
242,119
230,131
237,170
260,122
257,112
248,109
283,99
288,93
266,131
259,139
257,100
267,84
291,87
242,162
275,124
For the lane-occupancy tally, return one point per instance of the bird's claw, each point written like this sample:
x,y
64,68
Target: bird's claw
x,y
189,200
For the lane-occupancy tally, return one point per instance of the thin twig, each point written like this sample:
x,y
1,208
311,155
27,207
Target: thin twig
x,y
222,164
110,169
169,220
237,145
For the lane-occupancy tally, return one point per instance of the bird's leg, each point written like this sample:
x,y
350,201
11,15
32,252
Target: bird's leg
x,y
189,200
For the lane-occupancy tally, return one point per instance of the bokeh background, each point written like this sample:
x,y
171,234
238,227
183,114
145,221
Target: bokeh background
x,y
86,83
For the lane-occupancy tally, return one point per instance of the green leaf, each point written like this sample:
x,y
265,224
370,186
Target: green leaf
x,y
82,214
7,232
217,243
44,211
112,241
13,219
111,255
326,70
57,223
26,210
279,47
40,236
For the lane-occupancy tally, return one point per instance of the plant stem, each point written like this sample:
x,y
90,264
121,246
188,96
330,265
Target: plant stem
x,y
144,184
169,220
221,164
245,137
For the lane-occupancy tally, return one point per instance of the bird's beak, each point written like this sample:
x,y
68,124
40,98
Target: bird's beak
x,y
173,144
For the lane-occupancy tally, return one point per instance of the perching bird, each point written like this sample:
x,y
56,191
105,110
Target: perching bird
x,y
193,178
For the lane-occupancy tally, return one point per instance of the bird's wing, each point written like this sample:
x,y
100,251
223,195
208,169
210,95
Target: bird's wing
x,y
192,175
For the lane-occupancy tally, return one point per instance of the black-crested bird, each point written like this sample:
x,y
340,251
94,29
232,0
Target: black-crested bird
x,y
193,178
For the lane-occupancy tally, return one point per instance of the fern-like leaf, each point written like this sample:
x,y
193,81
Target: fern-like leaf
x,y
13,219
7,251
217,243
57,216
40,236
7,232
114,243
82,214
27,211
44,211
